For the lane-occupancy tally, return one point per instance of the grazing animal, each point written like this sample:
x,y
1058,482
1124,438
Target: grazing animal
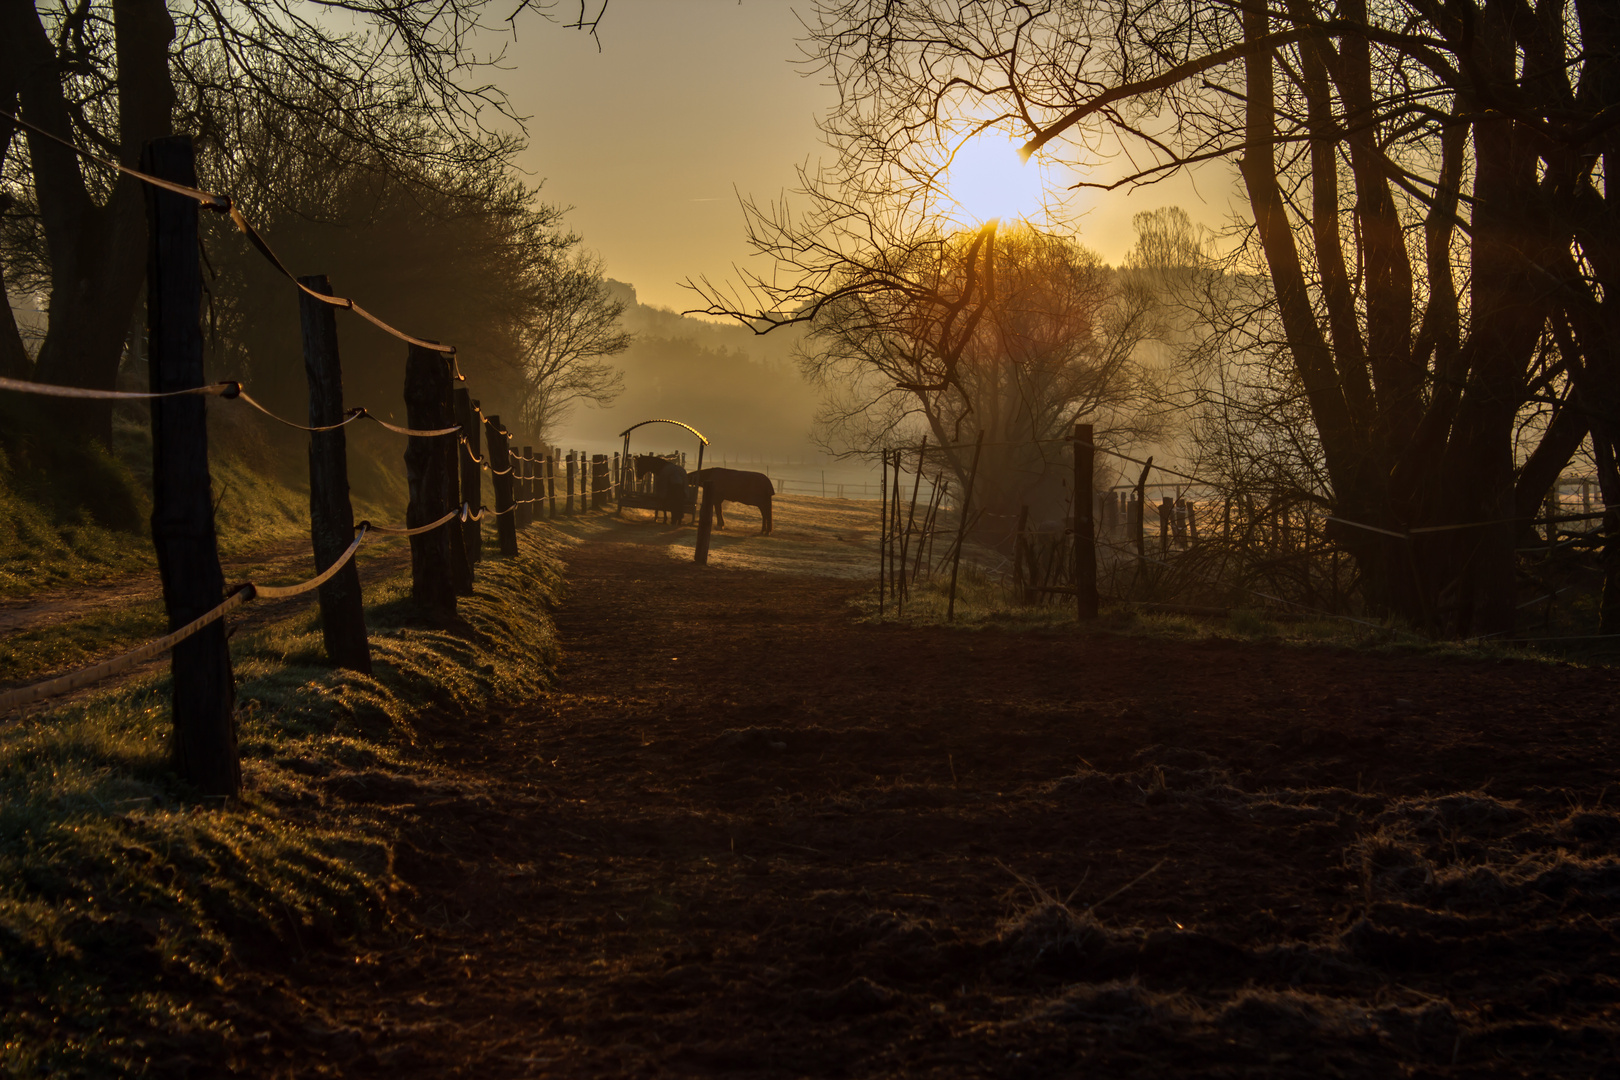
x,y
669,485
737,485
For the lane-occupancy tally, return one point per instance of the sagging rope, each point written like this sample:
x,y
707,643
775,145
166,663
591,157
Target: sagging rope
x,y
241,594
464,513
283,592
27,695
224,204
23,386
221,203
230,390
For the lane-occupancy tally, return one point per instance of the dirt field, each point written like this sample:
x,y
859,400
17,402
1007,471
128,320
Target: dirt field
x,y
753,836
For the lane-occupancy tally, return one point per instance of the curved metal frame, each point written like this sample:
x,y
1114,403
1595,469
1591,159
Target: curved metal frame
x,y
630,465
625,434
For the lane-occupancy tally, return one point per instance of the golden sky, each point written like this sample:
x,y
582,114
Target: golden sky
x,y
687,103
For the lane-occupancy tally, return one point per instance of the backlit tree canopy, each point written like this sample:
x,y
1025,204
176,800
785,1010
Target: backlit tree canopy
x,y
1426,184
396,81
1052,339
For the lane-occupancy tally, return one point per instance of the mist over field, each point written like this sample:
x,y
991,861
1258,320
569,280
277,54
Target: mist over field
x,y
741,389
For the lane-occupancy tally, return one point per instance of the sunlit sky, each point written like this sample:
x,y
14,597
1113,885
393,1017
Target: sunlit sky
x,y
688,103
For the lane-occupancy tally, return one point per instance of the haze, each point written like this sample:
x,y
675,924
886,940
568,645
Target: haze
x,y
651,137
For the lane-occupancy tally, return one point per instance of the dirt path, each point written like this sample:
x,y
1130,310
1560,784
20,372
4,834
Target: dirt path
x,y
751,836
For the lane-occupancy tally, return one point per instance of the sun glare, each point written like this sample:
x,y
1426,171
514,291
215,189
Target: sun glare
x,y
986,179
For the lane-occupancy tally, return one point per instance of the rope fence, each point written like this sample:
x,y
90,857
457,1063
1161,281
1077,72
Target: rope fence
x,y
11,700
229,390
521,487
239,595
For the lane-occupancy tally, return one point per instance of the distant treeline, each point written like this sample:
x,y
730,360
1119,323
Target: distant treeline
x,y
742,390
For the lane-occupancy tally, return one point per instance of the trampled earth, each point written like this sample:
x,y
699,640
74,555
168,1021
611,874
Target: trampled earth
x,y
754,835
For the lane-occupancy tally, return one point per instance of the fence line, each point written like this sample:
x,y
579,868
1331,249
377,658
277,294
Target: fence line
x,y
175,158
242,594
239,595
229,390
24,386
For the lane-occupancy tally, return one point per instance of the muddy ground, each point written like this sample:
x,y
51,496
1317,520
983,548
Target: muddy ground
x,y
753,836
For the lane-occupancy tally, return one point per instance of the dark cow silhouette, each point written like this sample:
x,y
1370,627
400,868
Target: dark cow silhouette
x,y
669,485
736,485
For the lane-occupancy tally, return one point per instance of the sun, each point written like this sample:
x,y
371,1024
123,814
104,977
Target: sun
x,y
987,179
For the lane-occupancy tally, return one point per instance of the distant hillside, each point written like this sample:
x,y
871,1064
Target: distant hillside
x,y
773,348
741,389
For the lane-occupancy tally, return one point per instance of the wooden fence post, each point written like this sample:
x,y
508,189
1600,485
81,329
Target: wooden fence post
x,y
204,695
500,460
568,501
449,449
331,516
433,489
551,484
514,457
700,551
1167,510
1139,511
962,526
599,481
1085,524
894,532
524,515
531,484
525,506
472,474
883,530
538,486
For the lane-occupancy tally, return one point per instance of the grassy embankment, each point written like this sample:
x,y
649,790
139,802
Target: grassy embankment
x,y
126,904
74,530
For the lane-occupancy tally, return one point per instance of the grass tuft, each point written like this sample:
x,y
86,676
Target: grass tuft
x,y
124,903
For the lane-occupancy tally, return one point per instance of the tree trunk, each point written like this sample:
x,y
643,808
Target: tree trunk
x,y
204,750
96,251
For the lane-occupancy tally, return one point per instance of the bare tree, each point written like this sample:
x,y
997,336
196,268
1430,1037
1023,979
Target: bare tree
x,y
1426,185
567,342
109,74
1049,340
503,277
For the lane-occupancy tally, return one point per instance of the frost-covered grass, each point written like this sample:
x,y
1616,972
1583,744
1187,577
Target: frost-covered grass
x,y
124,901
76,514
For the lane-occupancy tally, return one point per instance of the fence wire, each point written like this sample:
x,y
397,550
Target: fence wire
x,y
12,700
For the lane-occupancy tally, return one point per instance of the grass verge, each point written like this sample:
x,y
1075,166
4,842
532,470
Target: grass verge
x,y
125,903
76,514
